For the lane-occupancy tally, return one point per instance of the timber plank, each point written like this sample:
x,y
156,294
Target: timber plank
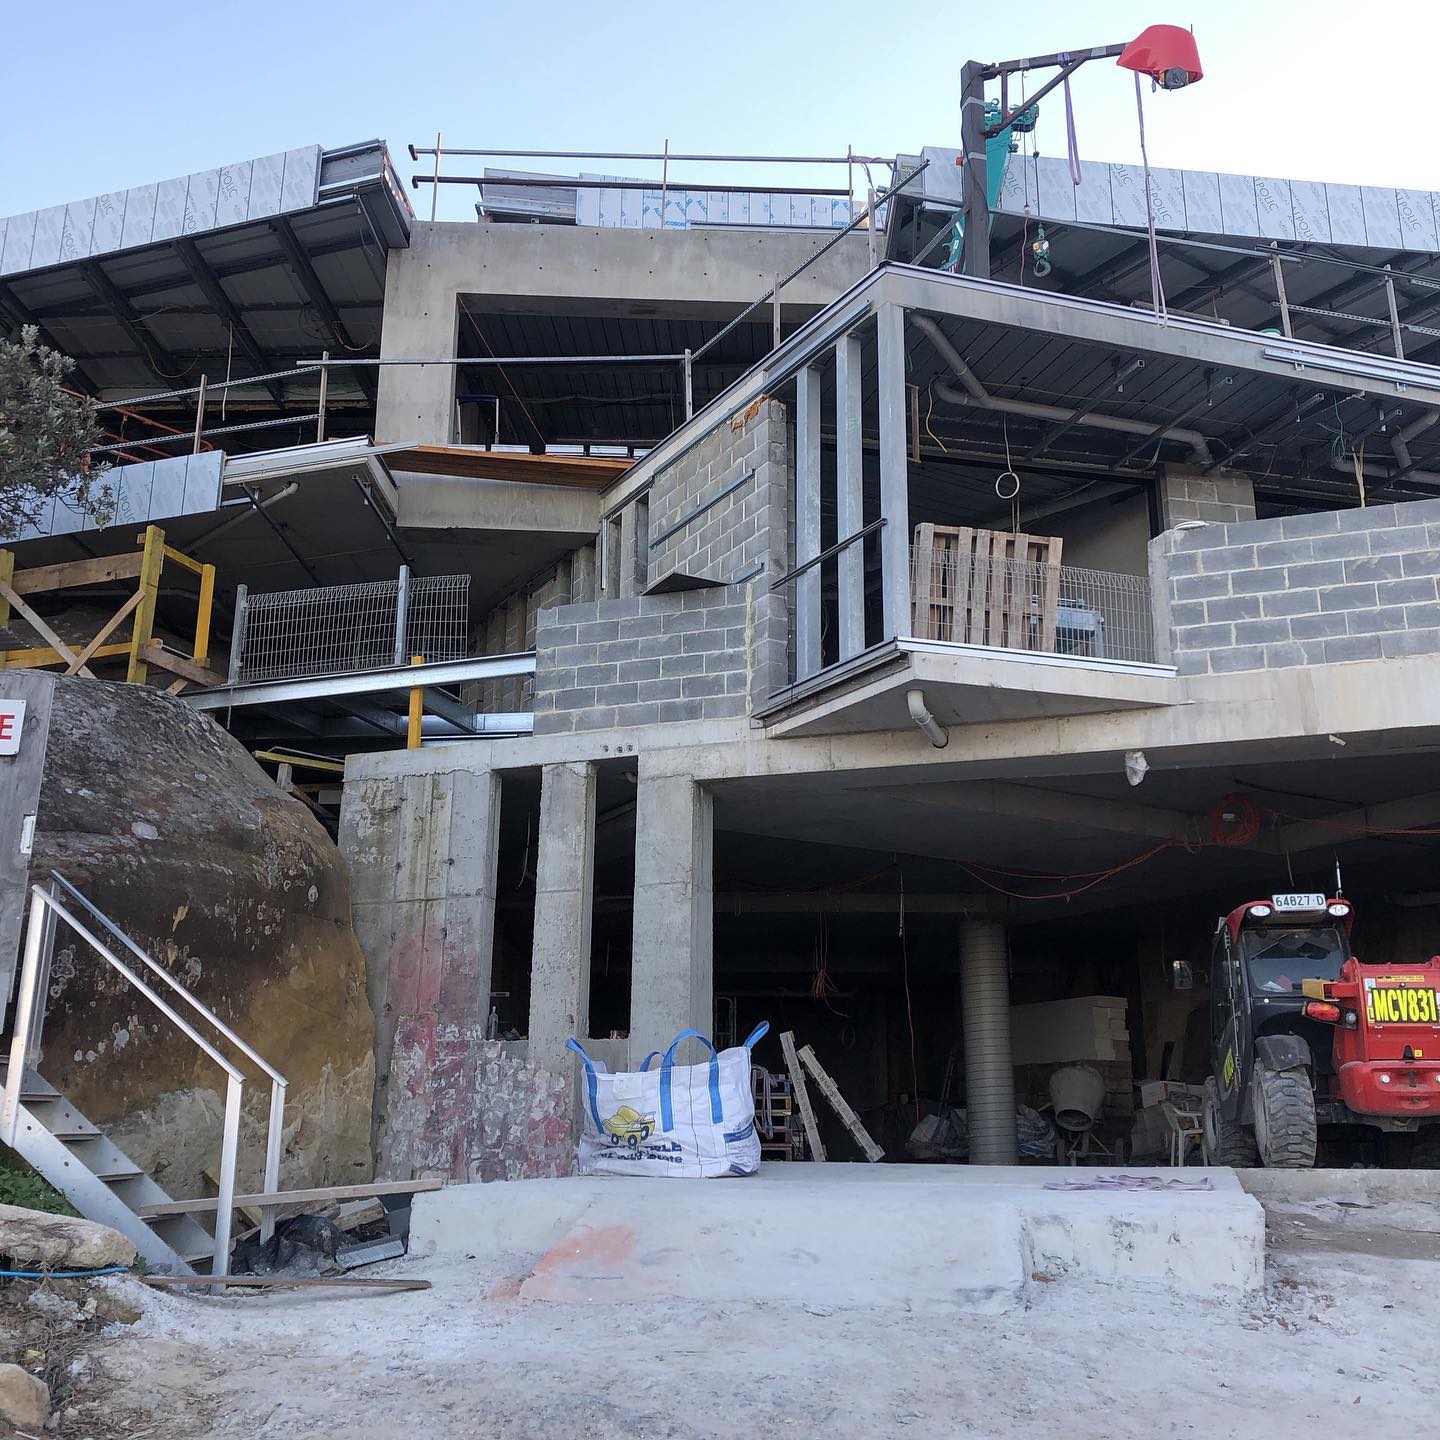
x,y
802,1096
580,472
831,1091
294,1197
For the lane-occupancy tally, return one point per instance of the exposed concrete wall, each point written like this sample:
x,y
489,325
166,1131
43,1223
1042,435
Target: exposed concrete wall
x,y
1187,493
422,855
1109,535
567,269
1335,586
641,661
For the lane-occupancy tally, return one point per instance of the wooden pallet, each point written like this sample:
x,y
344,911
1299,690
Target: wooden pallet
x,y
960,592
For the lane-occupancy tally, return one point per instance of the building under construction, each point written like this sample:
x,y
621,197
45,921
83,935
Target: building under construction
x,y
864,609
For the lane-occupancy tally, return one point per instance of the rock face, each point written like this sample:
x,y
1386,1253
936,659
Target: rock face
x,y
33,1240
24,1400
175,832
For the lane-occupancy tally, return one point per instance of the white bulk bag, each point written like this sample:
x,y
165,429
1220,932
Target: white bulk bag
x,y
692,1121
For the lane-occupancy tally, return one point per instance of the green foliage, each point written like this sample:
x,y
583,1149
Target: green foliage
x,y
46,433
20,1185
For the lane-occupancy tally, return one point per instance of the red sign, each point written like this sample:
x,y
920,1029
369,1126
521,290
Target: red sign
x,y
12,725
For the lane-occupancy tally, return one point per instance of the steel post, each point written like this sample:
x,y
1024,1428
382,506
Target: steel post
x,y
976,200
24,1014
225,1199
274,1135
808,657
894,472
850,491
402,614
237,632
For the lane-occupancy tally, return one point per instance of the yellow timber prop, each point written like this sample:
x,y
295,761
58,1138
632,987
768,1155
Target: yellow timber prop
x,y
142,648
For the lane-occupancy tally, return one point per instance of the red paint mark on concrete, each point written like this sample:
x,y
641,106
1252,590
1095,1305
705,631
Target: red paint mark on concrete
x,y
585,1265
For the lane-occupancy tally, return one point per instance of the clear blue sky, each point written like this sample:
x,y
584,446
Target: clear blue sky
x,y
98,97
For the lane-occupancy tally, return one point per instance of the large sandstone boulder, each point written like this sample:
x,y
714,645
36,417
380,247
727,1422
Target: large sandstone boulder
x,y
34,1240
170,826
24,1399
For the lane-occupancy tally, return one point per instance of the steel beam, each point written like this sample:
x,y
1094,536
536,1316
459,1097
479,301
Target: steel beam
x,y
214,292
160,360
366,682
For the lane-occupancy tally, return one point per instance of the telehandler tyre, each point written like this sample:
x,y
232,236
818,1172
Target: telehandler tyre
x,y
1285,1118
1222,1141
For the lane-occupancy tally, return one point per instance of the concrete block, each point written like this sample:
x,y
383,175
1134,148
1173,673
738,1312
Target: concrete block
x,y
1318,627
624,693
1372,567
1417,590
1285,552
1201,587
1347,597
1352,647
1316,573
1341,547
1282,657
1421,617
1237,658
1228,557
1262,632
1410,642
1259,582
1323,522
1397,541
1204,637
1421,562
1375,622
1290,602
587,675
1228,607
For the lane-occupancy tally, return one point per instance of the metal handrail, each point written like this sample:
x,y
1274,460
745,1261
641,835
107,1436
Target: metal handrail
x,y
45,909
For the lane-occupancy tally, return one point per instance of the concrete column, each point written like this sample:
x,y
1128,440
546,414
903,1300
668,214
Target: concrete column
x,y
894,472
422,851
564,875
807,521
672,980
989,1075
850,492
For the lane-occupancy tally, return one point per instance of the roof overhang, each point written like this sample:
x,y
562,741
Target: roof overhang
x,y
963,685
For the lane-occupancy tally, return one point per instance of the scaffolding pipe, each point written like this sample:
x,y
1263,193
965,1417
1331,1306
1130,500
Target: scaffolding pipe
x,y
989,1078
417,152
974,393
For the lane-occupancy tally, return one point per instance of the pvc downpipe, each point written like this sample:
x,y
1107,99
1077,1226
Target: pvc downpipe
x,y
989,1076
930,727
974,393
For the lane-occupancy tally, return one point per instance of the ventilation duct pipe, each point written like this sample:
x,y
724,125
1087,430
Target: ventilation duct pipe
x,y
974,393
989,1076
920,714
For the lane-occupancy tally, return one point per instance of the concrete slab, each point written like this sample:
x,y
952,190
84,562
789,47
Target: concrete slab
x,y
1360,1187
849,1235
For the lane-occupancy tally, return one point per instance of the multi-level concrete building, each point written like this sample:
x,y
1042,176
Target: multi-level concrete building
x,y
971,641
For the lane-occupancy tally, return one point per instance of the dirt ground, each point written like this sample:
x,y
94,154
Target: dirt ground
x,y
1334,1347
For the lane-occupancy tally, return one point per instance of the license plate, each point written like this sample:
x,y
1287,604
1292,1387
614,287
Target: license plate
x,y
1298,902
1387,1005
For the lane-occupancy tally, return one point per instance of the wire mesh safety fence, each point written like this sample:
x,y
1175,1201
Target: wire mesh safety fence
x,y
339,628
1029,605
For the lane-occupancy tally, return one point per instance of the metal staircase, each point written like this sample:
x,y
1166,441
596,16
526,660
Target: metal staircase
x,y
90,1170
100,1180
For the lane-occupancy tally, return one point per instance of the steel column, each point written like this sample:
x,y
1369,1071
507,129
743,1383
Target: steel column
x,y
850,491
807,521
894,471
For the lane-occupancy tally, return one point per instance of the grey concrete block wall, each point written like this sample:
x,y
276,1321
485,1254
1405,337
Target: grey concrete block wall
x,y
643,660
1313,589
1187,493
730,487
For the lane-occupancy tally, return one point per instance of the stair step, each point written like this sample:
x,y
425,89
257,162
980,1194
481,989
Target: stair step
x,y
32,1086
60,1118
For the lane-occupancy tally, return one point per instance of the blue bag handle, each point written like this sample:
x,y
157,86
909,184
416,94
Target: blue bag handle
x,y
667,1117
757,1035
645,1063
573,1044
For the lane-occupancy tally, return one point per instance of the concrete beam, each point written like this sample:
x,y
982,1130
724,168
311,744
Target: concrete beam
x,y
439,502
572,270
1345,825
672,981
1027,802
564,880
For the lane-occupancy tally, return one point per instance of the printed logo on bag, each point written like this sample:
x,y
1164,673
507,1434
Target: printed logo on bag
x,y
629,1127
